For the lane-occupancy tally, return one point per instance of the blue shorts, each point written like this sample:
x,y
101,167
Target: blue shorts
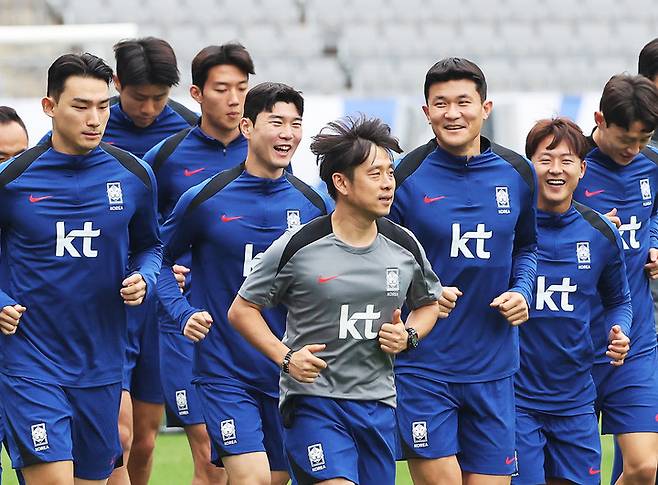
x,y
627,396
48,423
241,420
338,438
550,446
474,421
141,365
182,404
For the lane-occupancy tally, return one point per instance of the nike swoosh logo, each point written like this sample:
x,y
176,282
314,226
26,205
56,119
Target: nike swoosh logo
x,y
226,218
592,471
509,461
189,173
429,200
325,279
592,194
34,199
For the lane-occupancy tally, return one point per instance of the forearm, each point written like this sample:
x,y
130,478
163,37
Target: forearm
x,y
247,319
423,319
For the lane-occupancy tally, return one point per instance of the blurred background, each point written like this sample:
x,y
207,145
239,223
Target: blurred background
x,y
541,58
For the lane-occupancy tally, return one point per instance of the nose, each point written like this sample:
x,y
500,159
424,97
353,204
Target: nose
x,y
148,107
555,167
285,132
452,112
94,118
233,99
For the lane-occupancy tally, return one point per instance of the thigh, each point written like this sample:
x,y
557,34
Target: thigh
x,y
375,433
233,420
38,419
145,385
273,433
180,396
135,327
530,445
426,417
96,446
573,451
628,396
318,442
487,428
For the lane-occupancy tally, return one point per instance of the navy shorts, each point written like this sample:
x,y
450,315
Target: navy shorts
x,y
564,447
182,404
474,421
339,438
241,420
141,366
627,396
48,423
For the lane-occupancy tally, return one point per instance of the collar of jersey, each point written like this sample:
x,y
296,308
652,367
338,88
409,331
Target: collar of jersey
x,y
124,119
202,135
447,159
553,219
264,185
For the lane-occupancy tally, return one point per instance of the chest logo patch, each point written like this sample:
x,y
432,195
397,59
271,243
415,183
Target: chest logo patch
x,y
645,189
293,218
392,281
502,200
114,196
583,255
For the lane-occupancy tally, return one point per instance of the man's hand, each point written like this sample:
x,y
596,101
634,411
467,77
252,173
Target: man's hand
x,y
393,337
613,217
512,306
134,290
304,366
198,326
448,300
10,317
619,346
180,272
652,264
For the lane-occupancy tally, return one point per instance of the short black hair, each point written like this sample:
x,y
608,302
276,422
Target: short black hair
x,y
9,115
347,144
629,98
148,60
647,63
233,54
264,96
455,69
83,65
558,129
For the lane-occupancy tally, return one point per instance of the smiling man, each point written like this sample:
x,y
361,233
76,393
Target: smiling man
x,y
622,174
74,209
471,203
580,257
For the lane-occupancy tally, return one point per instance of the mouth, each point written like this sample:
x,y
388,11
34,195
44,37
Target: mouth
x,y
386,198
556,182
233,114
91,134
453,127
283,149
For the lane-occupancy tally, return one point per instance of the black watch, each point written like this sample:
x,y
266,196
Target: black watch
x,y
412,339
285,365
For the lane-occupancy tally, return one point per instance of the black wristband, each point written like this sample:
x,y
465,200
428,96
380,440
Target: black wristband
x,y
285,365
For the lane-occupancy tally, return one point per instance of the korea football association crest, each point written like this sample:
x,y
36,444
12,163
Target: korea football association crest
x,y
39,437
419,433
645,189
316,457
115,196
583,255
293,218
227,428
502,200
392,281
181,402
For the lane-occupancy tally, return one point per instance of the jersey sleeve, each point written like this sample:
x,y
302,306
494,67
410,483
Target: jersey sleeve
x,y
267,284
653,228
614,289
5,299
178,234
524,254
425,287
145,244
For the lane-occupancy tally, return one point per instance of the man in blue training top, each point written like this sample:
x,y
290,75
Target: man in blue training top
x,y
220,76
140,117
227,221
622,174
471,204
80,242
580,255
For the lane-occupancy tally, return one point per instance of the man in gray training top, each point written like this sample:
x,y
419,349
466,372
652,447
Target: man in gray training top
x,y
343,278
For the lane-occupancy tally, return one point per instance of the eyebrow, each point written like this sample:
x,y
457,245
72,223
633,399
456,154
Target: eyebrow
x,y
272,116
89,101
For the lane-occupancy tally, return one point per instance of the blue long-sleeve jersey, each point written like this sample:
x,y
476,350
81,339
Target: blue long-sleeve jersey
x,y
476,219
228,221
632,190
579,255
180,162
123,133
72,228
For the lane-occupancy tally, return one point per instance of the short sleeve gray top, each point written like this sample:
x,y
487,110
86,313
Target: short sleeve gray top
x,y
340,296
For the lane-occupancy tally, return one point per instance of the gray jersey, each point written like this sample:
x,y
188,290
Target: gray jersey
x,y
340,296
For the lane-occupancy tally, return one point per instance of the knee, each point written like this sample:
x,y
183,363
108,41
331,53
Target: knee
x,y
643,472
125,436
144,445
